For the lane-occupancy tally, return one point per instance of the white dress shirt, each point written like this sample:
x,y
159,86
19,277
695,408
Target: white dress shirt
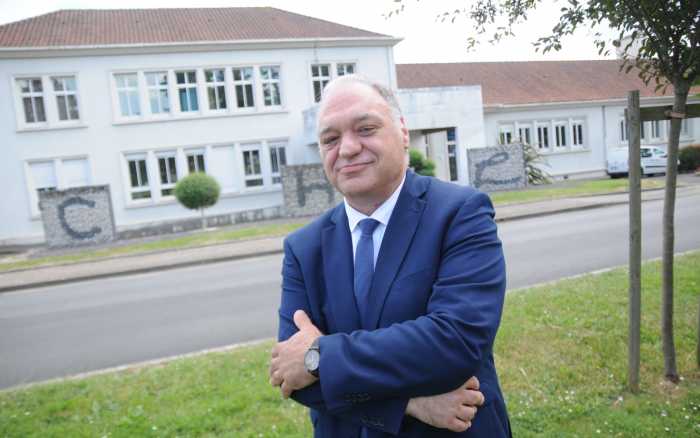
x,y
381,214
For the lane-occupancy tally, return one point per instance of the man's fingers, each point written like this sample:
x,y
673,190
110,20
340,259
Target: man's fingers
x,y
473,398
301,319
457,425
286,389
473,383
276,379
466,413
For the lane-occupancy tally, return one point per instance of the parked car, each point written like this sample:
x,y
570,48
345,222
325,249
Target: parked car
x,y
653,160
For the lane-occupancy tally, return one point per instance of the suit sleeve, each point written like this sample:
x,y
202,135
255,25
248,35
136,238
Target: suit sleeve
x,y
439,351
385,415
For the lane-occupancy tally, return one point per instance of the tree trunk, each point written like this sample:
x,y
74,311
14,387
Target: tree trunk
x,y
204,222
635,243
681,89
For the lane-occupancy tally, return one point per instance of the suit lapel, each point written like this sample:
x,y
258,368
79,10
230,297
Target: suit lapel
x,y
336,247
397,239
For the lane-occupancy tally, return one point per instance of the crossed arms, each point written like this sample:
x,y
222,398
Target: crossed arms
x,y
392,370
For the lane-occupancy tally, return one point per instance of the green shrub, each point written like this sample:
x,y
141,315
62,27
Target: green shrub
x,y
690,158
420,164
534,162
197,191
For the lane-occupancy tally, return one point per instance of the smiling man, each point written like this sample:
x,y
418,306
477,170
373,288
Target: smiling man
x,y
391,300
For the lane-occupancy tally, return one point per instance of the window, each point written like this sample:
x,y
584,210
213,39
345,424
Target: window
x,y
577,133
278,159
157,84
543,137
243,84
75,172
270,77
524,134
684,128
168,173
320,76
128,92
195,161
452,153
345,68
505,134
642,127
65,90
32,94
138,177
645,153
251,166
624,133
655,129
216,88
187,90
560,134
44,179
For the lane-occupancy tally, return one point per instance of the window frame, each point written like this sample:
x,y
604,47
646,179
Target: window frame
x,y
130,188
158,87
271,82
333,73
66,94
244,83
61,184
49,99
578,136
169,185
216,86
561,127
188,86
260,176
274,148
199,165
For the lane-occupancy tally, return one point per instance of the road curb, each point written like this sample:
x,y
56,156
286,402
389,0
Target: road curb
x,y
145,270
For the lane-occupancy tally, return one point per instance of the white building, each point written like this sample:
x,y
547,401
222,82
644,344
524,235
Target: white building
x,y
138,98
572,112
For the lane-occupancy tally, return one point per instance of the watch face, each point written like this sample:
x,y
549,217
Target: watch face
x,y
311,360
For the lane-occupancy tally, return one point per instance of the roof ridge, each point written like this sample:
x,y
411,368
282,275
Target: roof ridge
x,y
506,62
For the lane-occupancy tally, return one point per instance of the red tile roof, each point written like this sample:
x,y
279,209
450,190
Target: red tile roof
x,y
513,83
154,26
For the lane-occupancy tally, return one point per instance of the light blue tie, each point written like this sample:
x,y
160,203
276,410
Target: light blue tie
x,y
364,263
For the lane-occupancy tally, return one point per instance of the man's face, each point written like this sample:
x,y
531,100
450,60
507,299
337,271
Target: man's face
x,y
362,146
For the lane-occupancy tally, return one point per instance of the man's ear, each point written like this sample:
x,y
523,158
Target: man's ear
x,y
404,133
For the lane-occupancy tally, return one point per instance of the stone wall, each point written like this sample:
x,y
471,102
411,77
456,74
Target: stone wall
x,y
77,216
497,168
307,192
191,224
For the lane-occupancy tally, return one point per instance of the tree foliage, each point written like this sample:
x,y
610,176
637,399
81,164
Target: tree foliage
x,y
420,164
197,191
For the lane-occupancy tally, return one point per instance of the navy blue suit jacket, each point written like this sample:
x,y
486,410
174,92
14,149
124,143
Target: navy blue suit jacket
x,y
435,304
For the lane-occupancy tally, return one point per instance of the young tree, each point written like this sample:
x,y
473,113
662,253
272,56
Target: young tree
x,y
197,191
658,39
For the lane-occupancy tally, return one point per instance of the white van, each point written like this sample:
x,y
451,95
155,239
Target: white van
x,y
653,160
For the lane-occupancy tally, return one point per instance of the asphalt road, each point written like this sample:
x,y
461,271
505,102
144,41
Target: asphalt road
x,y
62,330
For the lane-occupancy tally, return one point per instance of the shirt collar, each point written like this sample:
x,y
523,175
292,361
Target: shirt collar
x,y
381,214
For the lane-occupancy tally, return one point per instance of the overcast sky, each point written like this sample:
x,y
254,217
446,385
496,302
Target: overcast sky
x,y
424,38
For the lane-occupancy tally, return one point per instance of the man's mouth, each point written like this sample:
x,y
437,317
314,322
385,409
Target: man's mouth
x,y
354,167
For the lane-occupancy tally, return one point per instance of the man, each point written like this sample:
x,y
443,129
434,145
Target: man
x,y
392,299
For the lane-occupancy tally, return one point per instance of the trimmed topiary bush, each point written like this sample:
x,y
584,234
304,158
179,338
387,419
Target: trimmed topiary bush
x,y
197,191
689,157
420,164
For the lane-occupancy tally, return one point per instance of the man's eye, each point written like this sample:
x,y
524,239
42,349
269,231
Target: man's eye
x,y
329,142
367,130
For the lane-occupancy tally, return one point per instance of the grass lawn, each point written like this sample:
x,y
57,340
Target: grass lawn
x,y
188,241
561,355
574,188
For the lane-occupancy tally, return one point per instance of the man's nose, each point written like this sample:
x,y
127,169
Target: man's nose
x,y
349,146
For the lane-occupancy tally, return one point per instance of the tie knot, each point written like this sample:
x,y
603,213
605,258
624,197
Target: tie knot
x,y
368,225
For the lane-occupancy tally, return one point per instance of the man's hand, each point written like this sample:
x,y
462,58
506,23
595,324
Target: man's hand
x,y
287,364
452,410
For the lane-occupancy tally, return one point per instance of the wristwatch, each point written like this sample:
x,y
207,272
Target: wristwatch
x,y
312,358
